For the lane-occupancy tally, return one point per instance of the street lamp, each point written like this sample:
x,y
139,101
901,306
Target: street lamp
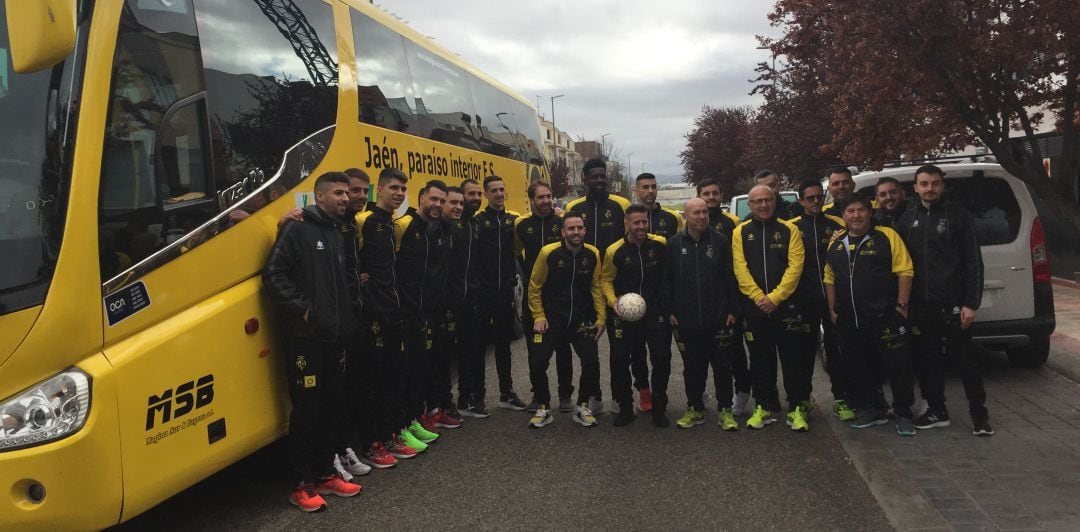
x,y
629,168
602,145
553,128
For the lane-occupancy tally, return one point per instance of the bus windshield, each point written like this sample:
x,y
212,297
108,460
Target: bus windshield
x,y
36,132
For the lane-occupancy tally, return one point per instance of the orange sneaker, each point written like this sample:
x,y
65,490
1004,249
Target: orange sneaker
x,y
335,485
306,498
645,400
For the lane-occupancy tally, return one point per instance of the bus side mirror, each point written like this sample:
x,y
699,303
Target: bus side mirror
x,y
41,33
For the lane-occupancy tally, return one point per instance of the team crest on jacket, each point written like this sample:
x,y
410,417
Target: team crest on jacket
x,y
870,243
301,362
941,226
607,214
555,228
708,251
776,236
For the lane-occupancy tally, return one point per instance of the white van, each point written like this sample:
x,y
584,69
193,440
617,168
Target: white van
x,y
1017,312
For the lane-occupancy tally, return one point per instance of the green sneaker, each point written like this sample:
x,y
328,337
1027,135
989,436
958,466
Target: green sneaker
x,y
842,410
796,419
410,440
809,405
760,418
725,418
419,432
690,418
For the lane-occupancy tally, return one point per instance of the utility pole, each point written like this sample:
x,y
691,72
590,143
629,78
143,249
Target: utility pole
x,y
555,130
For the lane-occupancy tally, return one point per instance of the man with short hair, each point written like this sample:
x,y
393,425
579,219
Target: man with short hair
x,y
867,284
359,183
423,249
719,218
768,256
725,222
382,317
946,294
602,211
317,318
464,286
531,233
635,264
456,277
497,275
892,201
841,187
662,220
785,210
701,293
818,229
567,304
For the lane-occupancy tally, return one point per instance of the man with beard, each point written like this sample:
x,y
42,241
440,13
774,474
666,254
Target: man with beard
x,y
818,229
566,301
497,275
719,219
892,201
532,233
464,286
785,210
841,187
662,220
317,317
423,248
635,264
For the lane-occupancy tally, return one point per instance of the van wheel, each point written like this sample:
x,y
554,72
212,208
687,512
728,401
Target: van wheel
x,y
1032,355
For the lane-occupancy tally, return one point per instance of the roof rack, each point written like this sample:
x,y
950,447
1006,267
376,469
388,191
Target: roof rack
x,y
954,159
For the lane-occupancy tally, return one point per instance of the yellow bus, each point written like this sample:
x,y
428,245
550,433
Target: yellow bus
x,y
147,149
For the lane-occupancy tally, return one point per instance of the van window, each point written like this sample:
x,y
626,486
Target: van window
x,y
993,205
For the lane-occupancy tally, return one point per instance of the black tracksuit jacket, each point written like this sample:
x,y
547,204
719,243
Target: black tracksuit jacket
x,y
946,254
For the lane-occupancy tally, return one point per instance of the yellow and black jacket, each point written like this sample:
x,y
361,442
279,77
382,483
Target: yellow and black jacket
x,y
724,222
423,252
768,259
942,241
377,258
817,233
603,216
864,272
565,286
635,268
495,266
462,282
532,233
664,221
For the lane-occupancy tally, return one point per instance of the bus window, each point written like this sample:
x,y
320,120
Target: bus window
x,y
382,77
271,82
442,98
494,123
155,185
529,126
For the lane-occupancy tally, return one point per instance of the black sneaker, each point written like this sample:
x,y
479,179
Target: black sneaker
x,y
868,418
510,401
533,407
932,420
566,404
904,426
981,427
624,417
659,418
452,411
475,411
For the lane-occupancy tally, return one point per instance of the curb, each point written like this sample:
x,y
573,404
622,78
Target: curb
x,y
1065,282
904,504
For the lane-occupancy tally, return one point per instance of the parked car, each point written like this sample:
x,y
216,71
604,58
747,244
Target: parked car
x,y
740,208
1017,312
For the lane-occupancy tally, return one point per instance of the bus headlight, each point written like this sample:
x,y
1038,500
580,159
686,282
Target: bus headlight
x,y
48,411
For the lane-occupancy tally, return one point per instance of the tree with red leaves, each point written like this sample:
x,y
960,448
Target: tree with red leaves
x,y
714,148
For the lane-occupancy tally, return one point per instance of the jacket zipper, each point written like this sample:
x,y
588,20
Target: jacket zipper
x,y
851,276
697,281
817,259
498,258
573,274
423,276
468,258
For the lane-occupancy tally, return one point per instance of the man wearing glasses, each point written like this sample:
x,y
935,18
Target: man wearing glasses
x,y
818,230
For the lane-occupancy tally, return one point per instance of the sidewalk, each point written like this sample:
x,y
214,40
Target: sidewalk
x,y
1026,477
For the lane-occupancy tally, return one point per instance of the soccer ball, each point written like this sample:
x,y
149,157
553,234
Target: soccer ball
x,y
631,307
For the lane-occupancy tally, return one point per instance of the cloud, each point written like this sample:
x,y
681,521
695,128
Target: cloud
x,y
638,70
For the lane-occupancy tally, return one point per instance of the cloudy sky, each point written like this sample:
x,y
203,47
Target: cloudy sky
x,y
639,70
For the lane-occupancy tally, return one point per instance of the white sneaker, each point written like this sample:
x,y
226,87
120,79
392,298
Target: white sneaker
x,y
740,404
584,416
353,464
340,468
541,418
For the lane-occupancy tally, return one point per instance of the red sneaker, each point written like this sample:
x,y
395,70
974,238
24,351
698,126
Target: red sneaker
x,y
335,485
377,457
398,449
428,422
645,400
446,421
306,498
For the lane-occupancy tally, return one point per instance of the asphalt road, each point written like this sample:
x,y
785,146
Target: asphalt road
x,y
498,474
